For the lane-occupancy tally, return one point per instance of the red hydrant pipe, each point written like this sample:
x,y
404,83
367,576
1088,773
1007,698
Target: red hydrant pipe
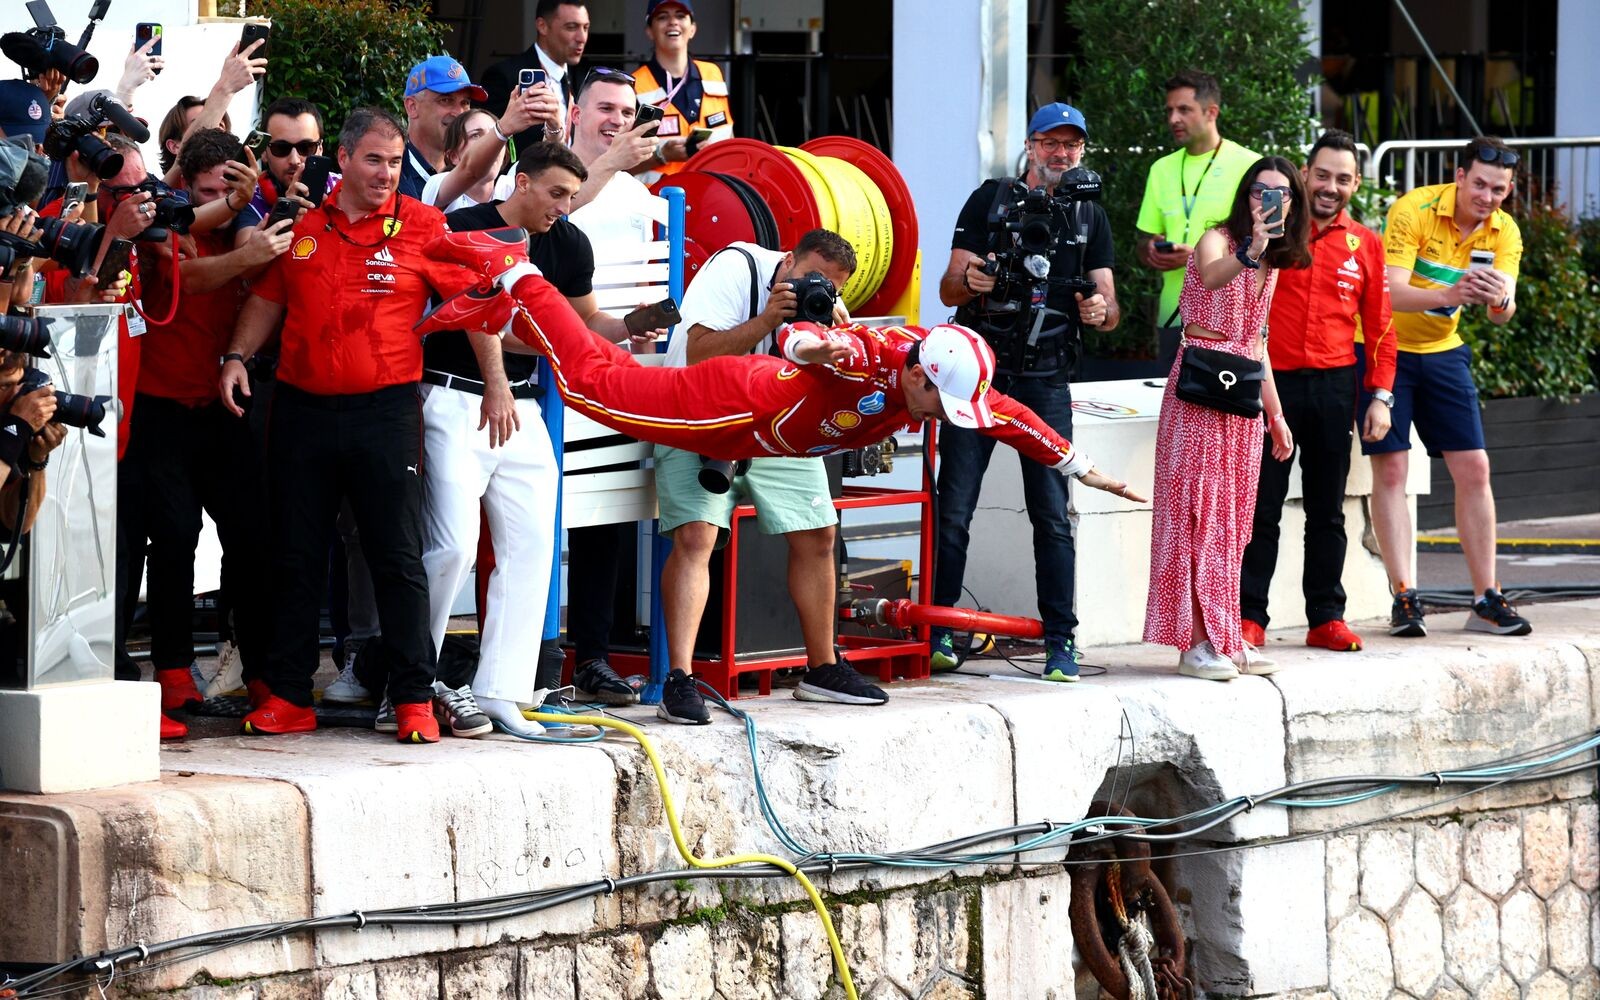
x,y
904,614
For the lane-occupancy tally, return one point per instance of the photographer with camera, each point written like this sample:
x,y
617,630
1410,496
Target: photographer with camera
x,y
740,300
1030,270
187,454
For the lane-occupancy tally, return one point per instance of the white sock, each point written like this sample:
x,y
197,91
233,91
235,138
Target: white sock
x,y
508,280
508,715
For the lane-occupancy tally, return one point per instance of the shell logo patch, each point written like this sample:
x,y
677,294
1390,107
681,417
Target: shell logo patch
x,y
1352,241
304,247
391,226
846,419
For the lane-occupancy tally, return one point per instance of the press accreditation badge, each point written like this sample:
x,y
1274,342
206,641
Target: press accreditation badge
x,y
136,324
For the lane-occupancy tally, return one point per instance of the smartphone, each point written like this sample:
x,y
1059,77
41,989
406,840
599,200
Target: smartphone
x,y
1481,259
78,193
115,262
315,177
648,113
257,140
143,32
1272,205
661,316
254,30
283,208
530,77
1163,246
40,12
699,135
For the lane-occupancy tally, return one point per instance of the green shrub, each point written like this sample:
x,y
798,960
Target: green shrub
x,y
1253,47
1548,346
344,54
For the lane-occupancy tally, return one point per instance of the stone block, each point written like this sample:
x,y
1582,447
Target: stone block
x,y
480,975
547,972
1017,916
613,968
1416,939
1587,986
154,862
884,990
76,737
1546,849
1548,987
347,984
1586,846
1568,931
1386,869
1390,711
861,931
1471,937
1439,857
950,988
807,962
1492,855
1344,876
1522,935
748,956
1359,965
680,964
1260,918
412,979
1499,986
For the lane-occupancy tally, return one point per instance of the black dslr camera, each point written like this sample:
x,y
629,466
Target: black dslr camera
x,y
77,134
73,410
45,47
814,298
172,211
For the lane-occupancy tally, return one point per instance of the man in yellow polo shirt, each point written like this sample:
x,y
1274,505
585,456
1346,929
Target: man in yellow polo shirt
x,y
1187,192
1448,247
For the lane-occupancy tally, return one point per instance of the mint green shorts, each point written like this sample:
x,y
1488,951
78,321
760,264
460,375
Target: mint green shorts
x,y
789,494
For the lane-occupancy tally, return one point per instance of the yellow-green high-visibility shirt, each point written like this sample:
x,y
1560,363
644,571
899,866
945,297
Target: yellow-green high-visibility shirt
x,y
1183,197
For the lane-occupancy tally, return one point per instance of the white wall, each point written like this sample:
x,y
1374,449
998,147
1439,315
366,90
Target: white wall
x,y
960,103
1577,112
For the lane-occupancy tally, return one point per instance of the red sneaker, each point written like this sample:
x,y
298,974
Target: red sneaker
x,y
1254,633
1334,635
172,729
258,692
177,689
483,309
417,724
489,252
276,717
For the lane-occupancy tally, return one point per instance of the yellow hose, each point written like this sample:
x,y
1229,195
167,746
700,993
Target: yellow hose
x,y
683,846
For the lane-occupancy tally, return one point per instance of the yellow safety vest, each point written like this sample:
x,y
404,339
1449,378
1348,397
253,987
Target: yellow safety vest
x,y
716,112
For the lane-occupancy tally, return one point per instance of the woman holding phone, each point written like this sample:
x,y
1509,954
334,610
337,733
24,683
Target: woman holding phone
x,y
1208,460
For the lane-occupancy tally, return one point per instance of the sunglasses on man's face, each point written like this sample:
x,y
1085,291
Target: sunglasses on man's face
x,y
1502,157
282,147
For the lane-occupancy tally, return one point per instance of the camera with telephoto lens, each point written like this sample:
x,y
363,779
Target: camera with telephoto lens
x,y
25,335
172,211
73,245
73,410
814,298
44,48
716,474
78,134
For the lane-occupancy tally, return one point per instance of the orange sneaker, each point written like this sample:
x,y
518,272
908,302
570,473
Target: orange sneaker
x,y
275,717
172,729
1334,635
416,722
1254,633
258,693
177,689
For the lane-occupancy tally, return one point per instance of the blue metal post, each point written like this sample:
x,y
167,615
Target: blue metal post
x,y
661,547
555,420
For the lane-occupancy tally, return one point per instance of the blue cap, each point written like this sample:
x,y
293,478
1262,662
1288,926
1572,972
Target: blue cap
x,y
442,75
1054,116
655,5
24,110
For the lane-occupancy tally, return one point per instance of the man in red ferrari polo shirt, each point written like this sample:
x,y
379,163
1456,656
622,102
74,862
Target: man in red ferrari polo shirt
x,y
346,422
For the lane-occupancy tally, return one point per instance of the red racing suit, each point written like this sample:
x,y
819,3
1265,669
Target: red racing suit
x,y
753,406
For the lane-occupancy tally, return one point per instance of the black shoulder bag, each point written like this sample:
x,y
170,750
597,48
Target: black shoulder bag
x,y
1229,383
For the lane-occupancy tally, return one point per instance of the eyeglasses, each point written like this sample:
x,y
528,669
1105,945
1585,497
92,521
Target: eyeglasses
x,y
1057,145
1504,157
282,147
1258,189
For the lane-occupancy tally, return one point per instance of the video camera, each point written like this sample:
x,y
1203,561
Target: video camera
x,y
73,410
1034,220
45,47
76,134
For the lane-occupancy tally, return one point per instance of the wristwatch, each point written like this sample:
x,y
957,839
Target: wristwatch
x,y
232,356
1384,396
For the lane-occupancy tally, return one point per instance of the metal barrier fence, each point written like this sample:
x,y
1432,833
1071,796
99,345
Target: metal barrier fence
x,y
1559,170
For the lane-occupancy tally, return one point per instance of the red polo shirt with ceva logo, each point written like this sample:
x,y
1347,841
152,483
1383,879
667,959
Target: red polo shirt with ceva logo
x,y
353,289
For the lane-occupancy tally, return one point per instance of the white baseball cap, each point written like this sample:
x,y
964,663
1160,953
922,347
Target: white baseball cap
x,y
961,364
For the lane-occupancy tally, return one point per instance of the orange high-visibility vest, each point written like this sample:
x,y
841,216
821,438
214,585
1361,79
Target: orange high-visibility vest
x,y
716,112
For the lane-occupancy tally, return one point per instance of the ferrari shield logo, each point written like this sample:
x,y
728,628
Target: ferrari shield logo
x,y
391,226
1352,241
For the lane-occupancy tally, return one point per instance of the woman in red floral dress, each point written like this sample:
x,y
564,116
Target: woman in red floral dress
x,y
1209,462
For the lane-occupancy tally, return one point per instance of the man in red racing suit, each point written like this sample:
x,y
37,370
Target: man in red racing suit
x,y
833,390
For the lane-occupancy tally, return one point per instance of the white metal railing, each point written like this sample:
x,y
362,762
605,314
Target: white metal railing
x,y
1561,170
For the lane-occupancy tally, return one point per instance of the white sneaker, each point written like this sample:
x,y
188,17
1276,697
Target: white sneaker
x,y
1251,661
229,675
345,689
1203,661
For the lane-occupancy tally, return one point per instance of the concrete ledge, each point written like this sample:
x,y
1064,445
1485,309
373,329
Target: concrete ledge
x,y
244,830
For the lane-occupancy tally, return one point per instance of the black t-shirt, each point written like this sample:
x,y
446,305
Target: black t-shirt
x,y
563,254
973,234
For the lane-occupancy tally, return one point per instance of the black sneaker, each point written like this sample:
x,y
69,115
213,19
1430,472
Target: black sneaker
x,y
681,701
840,683
1494,614
597,681
1405,618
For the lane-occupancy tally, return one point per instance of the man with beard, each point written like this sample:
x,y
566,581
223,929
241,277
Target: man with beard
x,y
1318,316
1035,347
437,91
